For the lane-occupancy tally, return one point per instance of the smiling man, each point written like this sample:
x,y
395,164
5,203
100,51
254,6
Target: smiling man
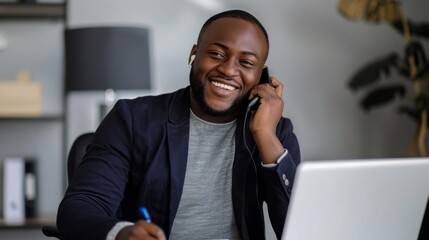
x,y
196,158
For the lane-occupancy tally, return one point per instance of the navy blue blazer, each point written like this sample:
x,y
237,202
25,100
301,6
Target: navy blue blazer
x,y
138,157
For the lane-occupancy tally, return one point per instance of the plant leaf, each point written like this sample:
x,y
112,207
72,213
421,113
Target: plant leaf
x,y
371,72
416,29
416,51
382,95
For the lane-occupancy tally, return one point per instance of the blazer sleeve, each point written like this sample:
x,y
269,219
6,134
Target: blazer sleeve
x,y
88,209
278,181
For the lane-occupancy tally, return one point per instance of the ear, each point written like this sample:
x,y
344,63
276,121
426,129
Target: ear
x,y
192,54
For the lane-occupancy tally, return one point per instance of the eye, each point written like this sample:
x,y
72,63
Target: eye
x,y
216,55
247,63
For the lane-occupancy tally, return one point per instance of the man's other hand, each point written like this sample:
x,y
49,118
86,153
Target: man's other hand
x,y
141,230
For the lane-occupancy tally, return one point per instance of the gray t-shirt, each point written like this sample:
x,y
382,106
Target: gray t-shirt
x,y
205,210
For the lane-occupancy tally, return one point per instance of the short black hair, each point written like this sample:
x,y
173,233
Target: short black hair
x,y
238,14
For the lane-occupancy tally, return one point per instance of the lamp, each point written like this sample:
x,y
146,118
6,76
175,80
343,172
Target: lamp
x,y
107,58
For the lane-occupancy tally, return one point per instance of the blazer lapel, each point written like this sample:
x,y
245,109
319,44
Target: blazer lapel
x,y
239,173
178,140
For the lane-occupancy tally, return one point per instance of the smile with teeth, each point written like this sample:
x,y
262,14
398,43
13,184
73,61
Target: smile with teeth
x,y
223,86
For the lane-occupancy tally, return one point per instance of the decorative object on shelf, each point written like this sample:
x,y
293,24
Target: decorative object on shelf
x,y
107,58
20,98
413,65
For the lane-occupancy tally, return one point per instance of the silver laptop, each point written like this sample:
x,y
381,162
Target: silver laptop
x,y
373,199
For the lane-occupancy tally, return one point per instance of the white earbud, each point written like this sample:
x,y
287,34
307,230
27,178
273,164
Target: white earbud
x,y
191,60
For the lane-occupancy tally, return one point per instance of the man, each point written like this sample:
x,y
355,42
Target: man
x,y
196,158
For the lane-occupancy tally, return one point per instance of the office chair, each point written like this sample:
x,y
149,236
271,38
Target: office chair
x,y
75,156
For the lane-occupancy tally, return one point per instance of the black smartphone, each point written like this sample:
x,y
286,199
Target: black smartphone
x,y
265,78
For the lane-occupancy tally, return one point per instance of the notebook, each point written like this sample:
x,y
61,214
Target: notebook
x,y
372,199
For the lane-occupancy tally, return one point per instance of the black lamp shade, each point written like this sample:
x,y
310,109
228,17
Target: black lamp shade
x,y
99,58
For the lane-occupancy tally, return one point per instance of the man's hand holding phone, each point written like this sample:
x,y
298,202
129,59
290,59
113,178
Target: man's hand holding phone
x,y
263,120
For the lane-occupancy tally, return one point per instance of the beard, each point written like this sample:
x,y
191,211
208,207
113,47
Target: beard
x,y
198,91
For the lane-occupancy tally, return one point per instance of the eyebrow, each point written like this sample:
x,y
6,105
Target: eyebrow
x,y
223,46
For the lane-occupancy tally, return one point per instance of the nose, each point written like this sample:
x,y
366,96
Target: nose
x,y
228,68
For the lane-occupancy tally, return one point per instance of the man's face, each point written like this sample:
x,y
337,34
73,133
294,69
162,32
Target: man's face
x,y
228,63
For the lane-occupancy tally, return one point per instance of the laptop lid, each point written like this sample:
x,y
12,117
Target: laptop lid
x,y
358,199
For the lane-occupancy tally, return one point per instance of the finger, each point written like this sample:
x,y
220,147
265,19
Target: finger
x,y
261,90
253,92
278,86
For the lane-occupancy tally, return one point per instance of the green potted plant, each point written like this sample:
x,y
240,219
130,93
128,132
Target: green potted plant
x,y
413,64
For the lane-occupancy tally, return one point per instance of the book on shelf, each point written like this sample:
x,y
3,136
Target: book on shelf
x,y
30,188
19,190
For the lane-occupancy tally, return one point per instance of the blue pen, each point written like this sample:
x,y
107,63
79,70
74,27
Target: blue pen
x,y
144,213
